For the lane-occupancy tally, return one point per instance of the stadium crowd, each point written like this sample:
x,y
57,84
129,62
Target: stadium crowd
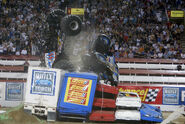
x,y
21,24
137,28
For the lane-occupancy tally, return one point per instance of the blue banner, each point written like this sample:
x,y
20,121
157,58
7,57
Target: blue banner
x,y
14,91
182,96
173,95
43,82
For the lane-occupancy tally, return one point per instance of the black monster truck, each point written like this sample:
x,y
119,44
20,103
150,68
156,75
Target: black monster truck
x,y
93,61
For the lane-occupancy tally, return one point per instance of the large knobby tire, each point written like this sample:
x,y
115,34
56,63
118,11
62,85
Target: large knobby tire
x,y
55,16
71,25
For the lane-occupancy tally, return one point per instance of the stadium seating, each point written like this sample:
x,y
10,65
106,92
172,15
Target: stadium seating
x,y
151,71
14,68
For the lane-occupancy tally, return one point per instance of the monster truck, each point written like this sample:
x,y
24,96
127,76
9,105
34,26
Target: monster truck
x,y
94,60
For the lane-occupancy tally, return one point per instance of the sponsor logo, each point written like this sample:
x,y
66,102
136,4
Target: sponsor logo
x,y
14,91
43,82
170,95
146,95
141,92
78,91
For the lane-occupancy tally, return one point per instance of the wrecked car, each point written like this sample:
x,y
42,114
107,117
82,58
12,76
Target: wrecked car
x,y
128,99
150,113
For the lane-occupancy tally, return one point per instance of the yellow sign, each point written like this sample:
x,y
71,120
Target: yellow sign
x,y
177,14
78,91
77,11
141,92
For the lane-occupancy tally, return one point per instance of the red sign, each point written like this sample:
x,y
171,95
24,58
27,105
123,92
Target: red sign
x,y
148,94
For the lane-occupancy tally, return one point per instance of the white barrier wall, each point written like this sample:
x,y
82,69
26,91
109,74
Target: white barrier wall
x,y
19,62
149,66
14,75
157,79
12,93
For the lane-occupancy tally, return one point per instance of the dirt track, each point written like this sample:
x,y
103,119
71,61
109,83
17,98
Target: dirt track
x,y
20,117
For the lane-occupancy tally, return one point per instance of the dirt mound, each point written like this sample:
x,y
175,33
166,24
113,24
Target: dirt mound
x,y
18,116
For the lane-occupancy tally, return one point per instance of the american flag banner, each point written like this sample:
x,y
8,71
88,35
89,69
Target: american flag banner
x,y
49,59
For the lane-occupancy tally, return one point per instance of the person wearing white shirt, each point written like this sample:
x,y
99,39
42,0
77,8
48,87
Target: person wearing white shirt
x,y
24,52
13,49
160,55
116,46
182,55
17,53
1,49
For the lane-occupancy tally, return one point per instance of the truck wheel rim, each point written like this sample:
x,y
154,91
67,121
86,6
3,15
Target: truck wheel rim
x,y
74,25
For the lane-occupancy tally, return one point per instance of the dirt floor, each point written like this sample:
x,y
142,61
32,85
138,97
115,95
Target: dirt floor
x,y
180,120
18,116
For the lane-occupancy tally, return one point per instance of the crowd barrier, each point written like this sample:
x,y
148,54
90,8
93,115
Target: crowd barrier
x,y
157,81
168,98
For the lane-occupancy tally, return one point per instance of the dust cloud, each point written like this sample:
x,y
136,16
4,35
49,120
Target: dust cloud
x,y
76,46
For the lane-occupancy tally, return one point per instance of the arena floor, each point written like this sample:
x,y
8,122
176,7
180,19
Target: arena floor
x,y
20,117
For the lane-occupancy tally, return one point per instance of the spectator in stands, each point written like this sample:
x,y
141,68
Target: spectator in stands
x,y
24,51
13,50
17,53
1,49
183,55
130,54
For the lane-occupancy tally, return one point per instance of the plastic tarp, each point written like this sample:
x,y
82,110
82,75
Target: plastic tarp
x,y
107,89
108,116
77,94
104,103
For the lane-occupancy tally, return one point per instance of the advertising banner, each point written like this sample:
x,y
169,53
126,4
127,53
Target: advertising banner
x,y
177,14
174,95
14,91
1,91
43,82
182,96
78,91
148,94
170,95
75,11
158,95
50,58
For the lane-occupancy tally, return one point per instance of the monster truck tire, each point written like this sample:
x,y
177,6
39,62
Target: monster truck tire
x,y
71,25
55,17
